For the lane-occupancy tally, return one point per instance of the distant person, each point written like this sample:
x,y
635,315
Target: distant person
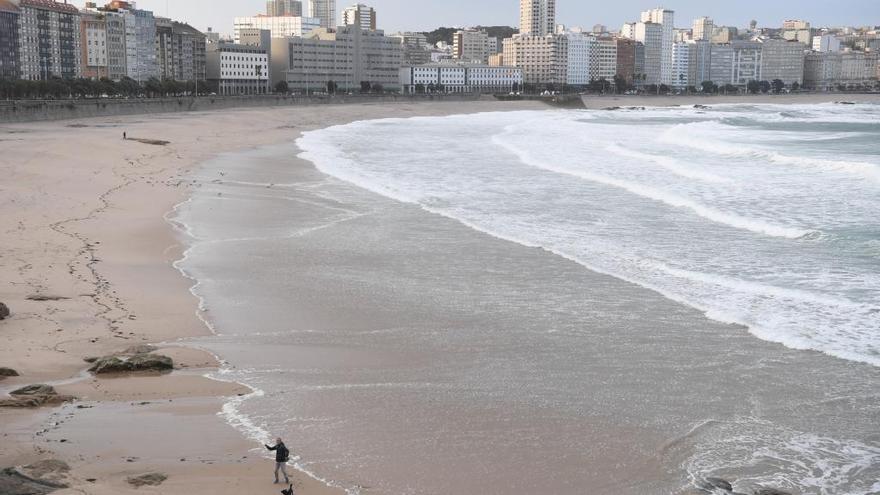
x,y
282,455
124,135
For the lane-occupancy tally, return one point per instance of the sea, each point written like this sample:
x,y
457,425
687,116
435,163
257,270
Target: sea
x,y
561,301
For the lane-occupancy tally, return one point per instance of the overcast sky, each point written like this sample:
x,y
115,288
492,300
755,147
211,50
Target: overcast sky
x,y
422,15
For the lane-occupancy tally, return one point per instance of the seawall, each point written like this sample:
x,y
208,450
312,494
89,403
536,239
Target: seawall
x,y
39,110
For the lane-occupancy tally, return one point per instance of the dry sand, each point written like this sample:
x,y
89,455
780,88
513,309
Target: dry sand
x,y
82,220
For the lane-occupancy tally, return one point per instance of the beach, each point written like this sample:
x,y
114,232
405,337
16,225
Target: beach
x,y
90,226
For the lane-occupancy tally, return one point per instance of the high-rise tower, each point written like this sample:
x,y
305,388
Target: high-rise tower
x,y
325,10
537,17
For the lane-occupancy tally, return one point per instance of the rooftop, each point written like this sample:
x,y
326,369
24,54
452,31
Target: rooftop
x,y
50,5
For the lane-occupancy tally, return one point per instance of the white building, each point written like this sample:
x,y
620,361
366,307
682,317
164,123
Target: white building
x,y
94,44
666,19
580,48
537,17
826,43
280,27
459,78
360,15
797,30
703,29
324,11
681,66
238,69
473,46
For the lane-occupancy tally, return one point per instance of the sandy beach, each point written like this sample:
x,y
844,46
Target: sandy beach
x,y
86,270
84,225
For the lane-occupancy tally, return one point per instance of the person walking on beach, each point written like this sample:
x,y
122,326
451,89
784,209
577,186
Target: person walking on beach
x,y
124,135
282,455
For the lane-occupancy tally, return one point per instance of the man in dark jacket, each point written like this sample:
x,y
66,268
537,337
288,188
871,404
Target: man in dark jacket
x,y
282,455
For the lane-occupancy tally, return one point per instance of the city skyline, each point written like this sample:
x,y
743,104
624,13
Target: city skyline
x,y
399,15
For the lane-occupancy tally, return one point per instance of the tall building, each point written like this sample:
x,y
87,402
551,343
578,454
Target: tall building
x,y
280,8
721,64
783,60
703,29
650,34
49,40
280,27
681,66
238,69
93,37
473,46
537,17
580,47
543,59
603,59
349,56
415,48
626,60
699,62
360,15
724,34
666,19
188,53
116,51
164,47
140,44
324,11
826,43
9,40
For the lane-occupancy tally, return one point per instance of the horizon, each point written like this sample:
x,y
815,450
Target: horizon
x,y
399,15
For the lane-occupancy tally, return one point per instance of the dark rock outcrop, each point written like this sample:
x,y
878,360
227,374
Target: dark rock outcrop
x,y
4,372
149,479
720,483
39,478
770,491
34,396
138,362
4,311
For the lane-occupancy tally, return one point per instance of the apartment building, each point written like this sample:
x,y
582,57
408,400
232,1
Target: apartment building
x,y
666,20
630,60
580,48
348,57
543,59
188,53
9,40
415,48
681,66
826,43
603,59
699,62
324,11
49,40
280,8
783,60
747,62
93,36
473,46
703,29
650,35
797,30
360,15
537,17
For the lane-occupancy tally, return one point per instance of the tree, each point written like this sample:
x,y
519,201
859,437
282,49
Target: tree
x,y
652,89
692,89
620,84
753,87
765,86
282,87
331,87
515,87
778,85
795,86
730,88
420,88
709,87
663,89
378,88
365,86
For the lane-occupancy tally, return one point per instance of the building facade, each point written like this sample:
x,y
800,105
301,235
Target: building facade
x,y
324,11
826,43
93,36
473,46
349,57
9,40
603,59
783,60
666,19
360,15
460,78
797,30
188,53
747,62
238,69
650,35
415,48
580,48
543,59
699,62
537,17
703,29
49,40
721,64
280,8
280,27
681,66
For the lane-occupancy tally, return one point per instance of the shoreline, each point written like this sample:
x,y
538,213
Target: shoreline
x,y
599,102
97,248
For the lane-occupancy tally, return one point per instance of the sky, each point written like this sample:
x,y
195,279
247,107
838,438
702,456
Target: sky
x,y
425,15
